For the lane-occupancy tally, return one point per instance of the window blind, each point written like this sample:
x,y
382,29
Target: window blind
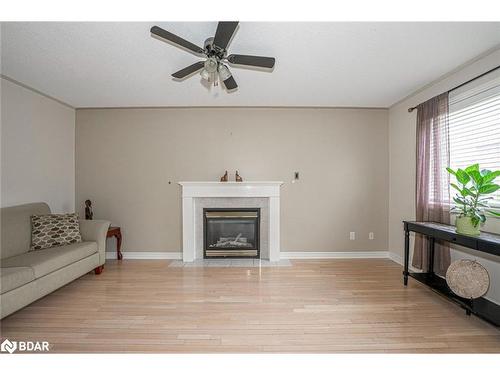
x,y
474,128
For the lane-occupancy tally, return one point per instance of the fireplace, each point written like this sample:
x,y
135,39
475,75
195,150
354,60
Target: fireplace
x,y
231,233
198,195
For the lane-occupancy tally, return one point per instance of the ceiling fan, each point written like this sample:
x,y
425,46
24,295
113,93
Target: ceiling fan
x,y
215,52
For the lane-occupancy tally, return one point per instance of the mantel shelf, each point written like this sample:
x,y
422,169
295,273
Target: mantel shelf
x,y
217,183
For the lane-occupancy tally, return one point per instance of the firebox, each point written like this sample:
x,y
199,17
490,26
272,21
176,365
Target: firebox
x,y
231,233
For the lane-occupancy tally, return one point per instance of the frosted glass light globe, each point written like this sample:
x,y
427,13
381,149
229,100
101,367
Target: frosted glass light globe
x,y
205,75
211,65
224,72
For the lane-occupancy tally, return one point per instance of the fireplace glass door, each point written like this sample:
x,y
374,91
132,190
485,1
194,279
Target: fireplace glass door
x,y
231,233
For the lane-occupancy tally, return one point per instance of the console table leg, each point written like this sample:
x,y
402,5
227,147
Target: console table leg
x,y
431,241
407,256
468,311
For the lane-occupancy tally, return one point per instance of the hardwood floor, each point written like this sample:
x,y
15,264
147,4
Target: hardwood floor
x,y
313,306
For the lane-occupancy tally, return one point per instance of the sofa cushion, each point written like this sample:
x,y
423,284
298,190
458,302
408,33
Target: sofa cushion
x,y
14,277
46,261
54,230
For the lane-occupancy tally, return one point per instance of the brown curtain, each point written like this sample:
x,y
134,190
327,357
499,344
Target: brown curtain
x,y
432,190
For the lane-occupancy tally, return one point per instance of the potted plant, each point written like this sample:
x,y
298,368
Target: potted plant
x,y
474,190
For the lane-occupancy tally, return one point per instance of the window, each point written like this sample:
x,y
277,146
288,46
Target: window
x,y
474,126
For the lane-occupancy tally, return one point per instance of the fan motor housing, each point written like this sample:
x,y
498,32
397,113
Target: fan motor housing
x,y
212,50
208,43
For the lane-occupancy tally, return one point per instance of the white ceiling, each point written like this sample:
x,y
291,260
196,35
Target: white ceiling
x,y
317,64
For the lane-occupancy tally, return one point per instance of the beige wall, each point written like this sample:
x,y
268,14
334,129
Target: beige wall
x,y
402,161
125,159
38,144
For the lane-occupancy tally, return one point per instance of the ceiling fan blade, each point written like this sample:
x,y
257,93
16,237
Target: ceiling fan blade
x,y
189,70
230,83
164,34
260,61
225,31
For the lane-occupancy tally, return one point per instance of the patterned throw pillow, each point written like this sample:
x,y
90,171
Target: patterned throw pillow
x,y
54,230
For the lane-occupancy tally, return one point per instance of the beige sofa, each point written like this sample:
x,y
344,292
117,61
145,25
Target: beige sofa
x,y
26,276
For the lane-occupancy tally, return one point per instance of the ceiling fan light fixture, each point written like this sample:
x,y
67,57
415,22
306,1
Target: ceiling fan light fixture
x,y
211,65
224,72
205,75
215,52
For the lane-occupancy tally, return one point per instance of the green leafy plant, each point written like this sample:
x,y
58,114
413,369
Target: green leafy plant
x,y
474,189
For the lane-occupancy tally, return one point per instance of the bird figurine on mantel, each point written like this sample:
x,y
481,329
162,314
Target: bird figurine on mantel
x,y
224,178
238,177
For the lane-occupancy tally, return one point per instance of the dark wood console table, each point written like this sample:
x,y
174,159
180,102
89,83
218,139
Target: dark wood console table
x,y
485,242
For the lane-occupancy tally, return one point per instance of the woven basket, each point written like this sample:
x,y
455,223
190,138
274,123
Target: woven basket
x,y
468,279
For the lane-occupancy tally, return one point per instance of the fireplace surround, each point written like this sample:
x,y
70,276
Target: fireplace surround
x,y
252,194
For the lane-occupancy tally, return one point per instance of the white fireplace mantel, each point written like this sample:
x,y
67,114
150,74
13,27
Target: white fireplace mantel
x,y
251,189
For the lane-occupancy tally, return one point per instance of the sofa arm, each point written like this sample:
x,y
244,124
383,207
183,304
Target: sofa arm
x,y
96,230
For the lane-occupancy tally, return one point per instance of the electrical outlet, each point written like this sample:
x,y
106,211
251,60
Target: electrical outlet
x,y
352,236
371,236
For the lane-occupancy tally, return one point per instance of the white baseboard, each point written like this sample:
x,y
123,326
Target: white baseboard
x,y
396,258
333,254
283,255
145,255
